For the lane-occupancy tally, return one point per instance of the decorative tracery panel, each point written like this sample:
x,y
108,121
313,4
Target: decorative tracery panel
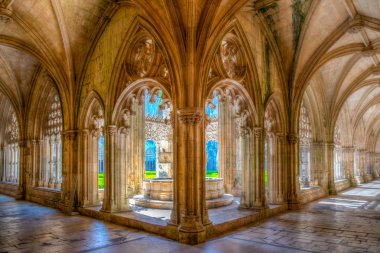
x,y
11,151
51,172
305,137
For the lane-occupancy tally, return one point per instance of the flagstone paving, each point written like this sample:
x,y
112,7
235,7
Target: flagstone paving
x,y
347,222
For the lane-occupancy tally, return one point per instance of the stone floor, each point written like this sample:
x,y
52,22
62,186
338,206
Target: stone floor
x,y
348,222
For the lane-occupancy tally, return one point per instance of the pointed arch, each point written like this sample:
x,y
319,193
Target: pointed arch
x,y
93,100
139,28
250,79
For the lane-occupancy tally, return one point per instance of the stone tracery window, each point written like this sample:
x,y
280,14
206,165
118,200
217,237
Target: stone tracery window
x,y
305,137
51,173
10,173
226,134
338,168
92,144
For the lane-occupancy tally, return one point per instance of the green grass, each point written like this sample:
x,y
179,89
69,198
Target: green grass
x,y
101,180
212,174
149,174
266,179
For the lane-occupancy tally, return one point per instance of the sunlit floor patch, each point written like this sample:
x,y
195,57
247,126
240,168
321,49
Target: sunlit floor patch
x,y
343,202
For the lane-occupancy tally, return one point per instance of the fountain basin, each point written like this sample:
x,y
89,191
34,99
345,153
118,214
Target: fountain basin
x,y
158,193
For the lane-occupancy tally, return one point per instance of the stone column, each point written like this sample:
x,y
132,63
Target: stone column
x,y
11,163
109,170
92,168
33,157
58,163
42,163
259,200
361,167
83,188
330,159
8,163
245,196
121,174
23,170
69,170
279,169
190,183
293,173
377,166
348,163
51,161
227,143
2,168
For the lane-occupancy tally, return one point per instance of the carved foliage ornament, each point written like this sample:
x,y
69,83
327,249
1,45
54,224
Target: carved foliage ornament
x,y
144,59
12,129
54,123
230,59
270,120
305,133
190,116
97,120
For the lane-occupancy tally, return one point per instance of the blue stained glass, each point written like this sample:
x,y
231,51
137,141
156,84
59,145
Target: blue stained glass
x,y
213,112
150,155
212,156
153,109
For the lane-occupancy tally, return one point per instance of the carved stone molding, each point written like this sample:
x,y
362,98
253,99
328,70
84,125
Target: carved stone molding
x,y
70,135
84,133
355,29
144,58
6,10
280,136
270,120
258,131
190,116
111,130
12,129
231,57
125,119
22,143
244,132
369,52
96,120
292,138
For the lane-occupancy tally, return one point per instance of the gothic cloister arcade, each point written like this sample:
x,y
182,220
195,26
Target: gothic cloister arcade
x,y
214,114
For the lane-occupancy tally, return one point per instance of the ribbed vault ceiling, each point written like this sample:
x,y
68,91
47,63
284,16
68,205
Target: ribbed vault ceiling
x,y
339,47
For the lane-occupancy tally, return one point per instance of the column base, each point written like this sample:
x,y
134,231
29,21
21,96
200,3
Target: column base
x,y
293,202
332,189
172,231
191,231
294,206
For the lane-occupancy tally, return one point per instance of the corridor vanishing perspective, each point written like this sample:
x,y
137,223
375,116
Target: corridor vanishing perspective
x,y
189,119
348,222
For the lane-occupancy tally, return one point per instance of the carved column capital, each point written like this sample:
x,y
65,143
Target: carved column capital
x,y
258,131
244,131
34,142
84,132
190,116
292,138
22,143
111,130
70,135
280,136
